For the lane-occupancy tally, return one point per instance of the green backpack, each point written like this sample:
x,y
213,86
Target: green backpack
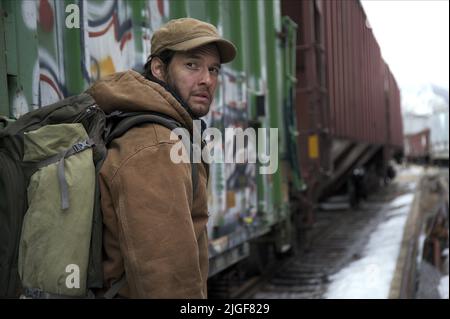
x,y
50,212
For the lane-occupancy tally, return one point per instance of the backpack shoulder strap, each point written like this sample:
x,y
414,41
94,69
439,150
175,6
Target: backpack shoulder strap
x,y
121,122
115,287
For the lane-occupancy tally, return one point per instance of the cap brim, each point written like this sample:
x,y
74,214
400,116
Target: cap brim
x,y
227,50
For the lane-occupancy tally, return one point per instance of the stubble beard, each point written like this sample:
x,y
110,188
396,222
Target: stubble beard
x,y
171,84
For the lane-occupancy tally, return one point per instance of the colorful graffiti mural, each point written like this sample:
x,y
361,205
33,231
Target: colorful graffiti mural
x,y
232,186
110,39
52,49
114,35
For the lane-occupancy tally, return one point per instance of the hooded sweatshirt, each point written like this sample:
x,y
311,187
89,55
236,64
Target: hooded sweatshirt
x,y
154,226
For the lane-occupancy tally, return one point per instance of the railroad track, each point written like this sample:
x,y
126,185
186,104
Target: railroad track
x,y
338,237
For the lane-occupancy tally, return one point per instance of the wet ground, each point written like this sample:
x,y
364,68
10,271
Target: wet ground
x,y
340,238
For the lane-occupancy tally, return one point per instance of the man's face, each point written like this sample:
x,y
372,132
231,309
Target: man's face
x,y
194,74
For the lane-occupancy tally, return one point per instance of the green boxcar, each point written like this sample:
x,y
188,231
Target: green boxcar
x,y
51,49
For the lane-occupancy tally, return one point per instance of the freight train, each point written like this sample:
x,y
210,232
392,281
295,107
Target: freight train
x,y
417,147
426,141
347,101
439,135
311,69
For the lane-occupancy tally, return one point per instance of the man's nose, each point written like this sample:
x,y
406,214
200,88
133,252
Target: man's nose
x,y
205,77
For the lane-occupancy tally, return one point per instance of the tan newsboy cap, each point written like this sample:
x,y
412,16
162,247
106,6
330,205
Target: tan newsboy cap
x,y
187,33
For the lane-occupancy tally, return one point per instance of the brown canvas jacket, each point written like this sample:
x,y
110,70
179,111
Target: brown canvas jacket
x,y
154,226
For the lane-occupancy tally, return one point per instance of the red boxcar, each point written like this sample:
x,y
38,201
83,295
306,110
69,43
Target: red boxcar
x,y
417,146
348,102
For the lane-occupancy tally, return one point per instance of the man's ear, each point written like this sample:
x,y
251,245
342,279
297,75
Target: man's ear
x,y
157,67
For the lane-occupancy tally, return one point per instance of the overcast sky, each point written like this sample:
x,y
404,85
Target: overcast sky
x,y
414,39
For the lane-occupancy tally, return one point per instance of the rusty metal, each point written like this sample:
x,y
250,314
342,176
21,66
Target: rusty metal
x,y
417,146
345,93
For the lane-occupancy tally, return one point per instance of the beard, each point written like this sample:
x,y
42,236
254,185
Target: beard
x,y
174,90
171,84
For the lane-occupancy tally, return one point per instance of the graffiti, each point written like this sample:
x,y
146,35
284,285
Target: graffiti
x,y
52,84
46,16
156,10
232,188
20,104
107,38
110,39
29,13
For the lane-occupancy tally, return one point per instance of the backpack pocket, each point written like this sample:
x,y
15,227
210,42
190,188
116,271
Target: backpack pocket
x,y
56,231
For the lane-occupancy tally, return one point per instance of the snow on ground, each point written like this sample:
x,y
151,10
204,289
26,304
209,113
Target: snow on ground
x,y
443,284
401,201
443,287
370,277
411,170
420,246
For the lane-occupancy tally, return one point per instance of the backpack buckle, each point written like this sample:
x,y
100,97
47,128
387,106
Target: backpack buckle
x,y
33,293
78,147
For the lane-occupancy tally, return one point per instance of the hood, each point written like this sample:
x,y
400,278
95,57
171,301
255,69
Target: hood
x,y
129,91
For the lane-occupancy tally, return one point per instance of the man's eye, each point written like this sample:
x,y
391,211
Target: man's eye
x,y
214,71
191,65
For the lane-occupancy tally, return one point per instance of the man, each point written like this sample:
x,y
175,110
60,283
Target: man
x,y
154,221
